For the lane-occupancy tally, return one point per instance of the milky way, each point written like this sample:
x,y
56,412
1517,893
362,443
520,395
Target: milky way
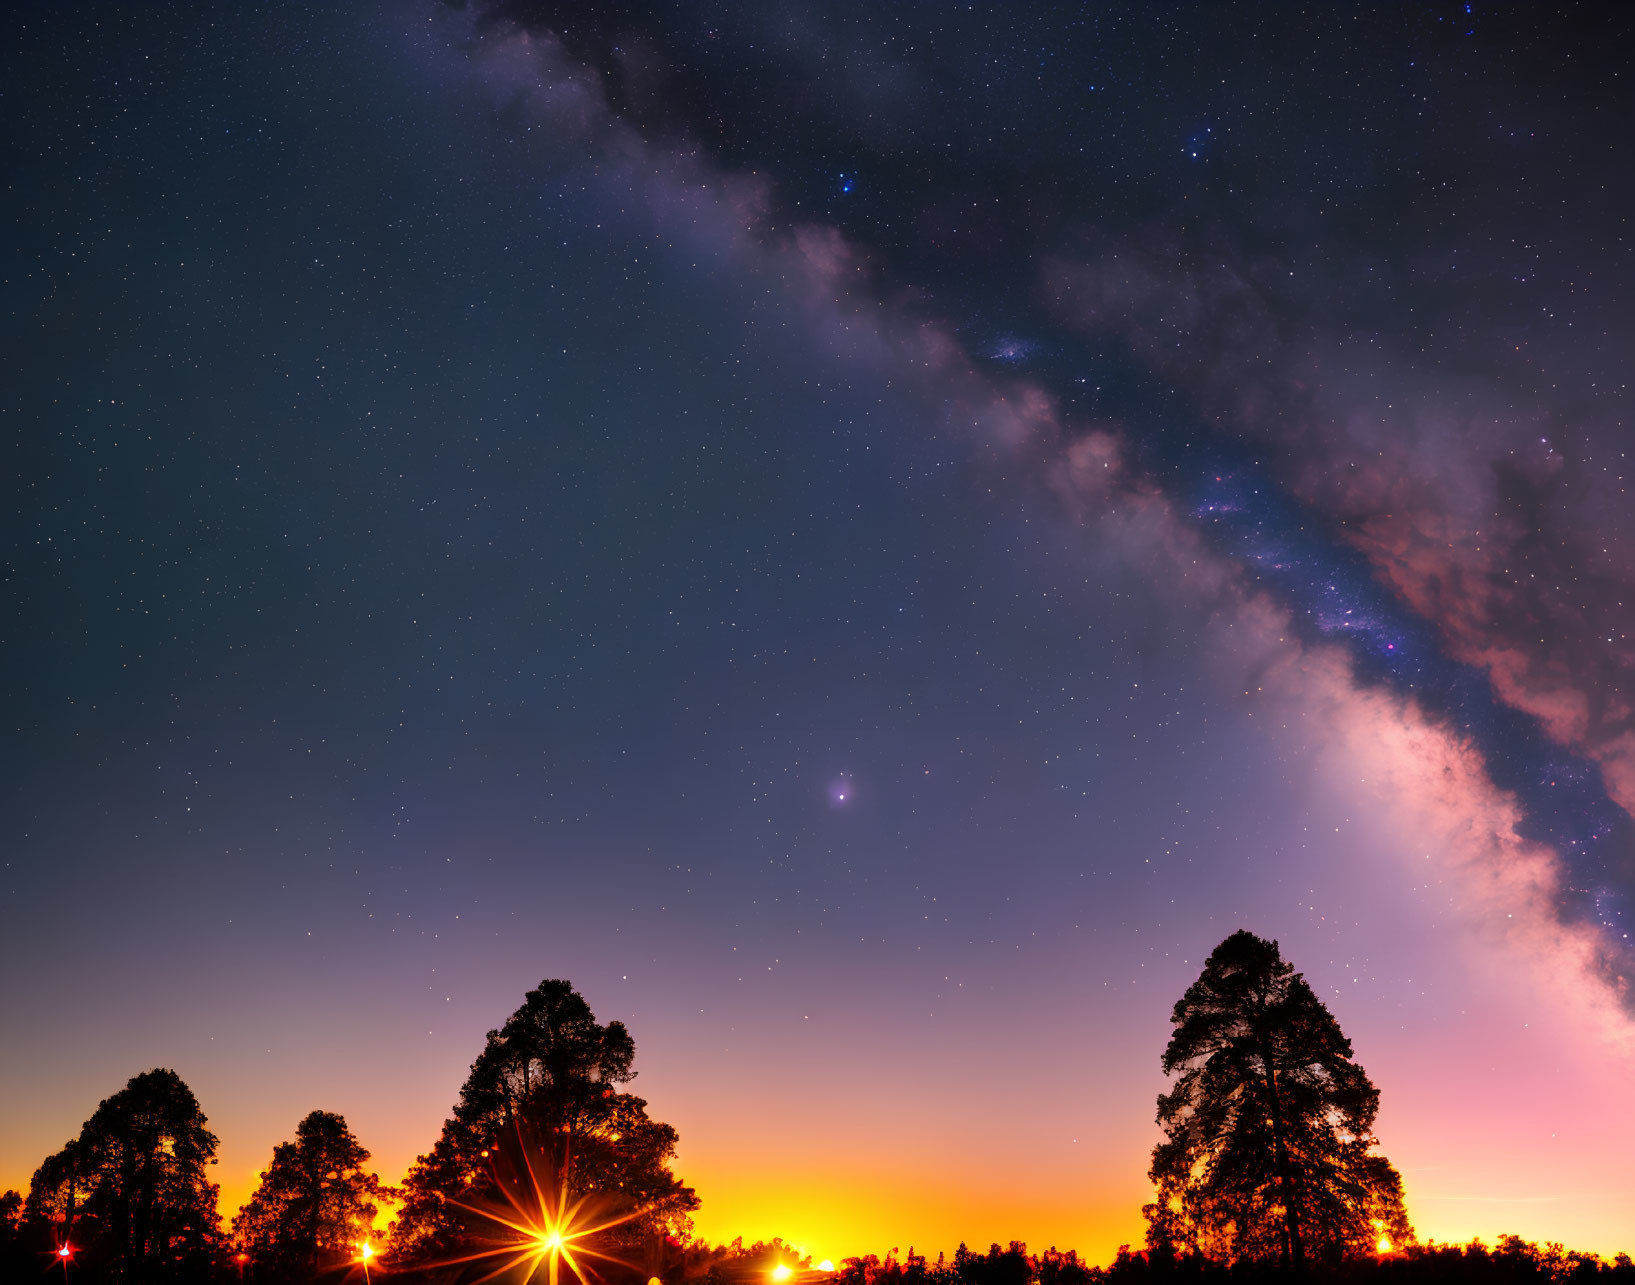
x,y
978,160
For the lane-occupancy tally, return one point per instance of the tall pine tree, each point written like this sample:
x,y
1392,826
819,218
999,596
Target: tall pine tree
x,y
316,1203
131,1192
1269,1127
543,1105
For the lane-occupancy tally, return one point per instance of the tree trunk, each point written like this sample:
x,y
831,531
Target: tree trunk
x,y
1285,1175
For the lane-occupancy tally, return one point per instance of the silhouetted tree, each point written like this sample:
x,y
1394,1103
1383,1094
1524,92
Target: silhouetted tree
x,y
315,1204
1008,1266
738,1264
545,1083
14,1258
57,1191
1269,1127
1058,1267
131,1190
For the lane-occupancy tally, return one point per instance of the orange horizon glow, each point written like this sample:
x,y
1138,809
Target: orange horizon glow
x,y
826,1210
832,1190
813,1210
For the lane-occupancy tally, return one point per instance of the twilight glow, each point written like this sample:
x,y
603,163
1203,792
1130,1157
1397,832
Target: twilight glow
x,y
869,538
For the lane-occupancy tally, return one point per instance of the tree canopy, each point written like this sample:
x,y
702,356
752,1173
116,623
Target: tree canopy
x,y
1269,1128
131,1191
542,1104
315,1204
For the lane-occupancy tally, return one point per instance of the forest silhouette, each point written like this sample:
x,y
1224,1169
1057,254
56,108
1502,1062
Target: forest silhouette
x,y
548,1170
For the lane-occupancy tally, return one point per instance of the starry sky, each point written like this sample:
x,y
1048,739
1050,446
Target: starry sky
x,y
868,538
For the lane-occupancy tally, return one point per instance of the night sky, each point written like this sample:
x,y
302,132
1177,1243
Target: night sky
x,y
868,537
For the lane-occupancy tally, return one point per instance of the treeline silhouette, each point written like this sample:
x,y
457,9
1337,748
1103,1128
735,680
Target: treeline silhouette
x,y
548,1169
1511,1261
